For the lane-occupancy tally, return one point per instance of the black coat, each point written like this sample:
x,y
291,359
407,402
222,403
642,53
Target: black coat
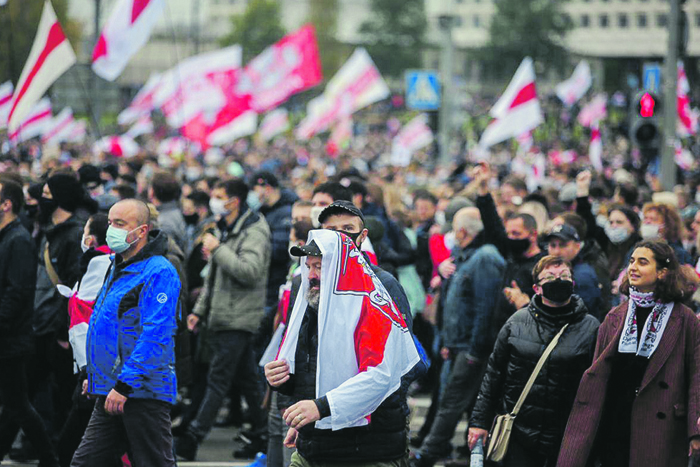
x,y
542,419
17,285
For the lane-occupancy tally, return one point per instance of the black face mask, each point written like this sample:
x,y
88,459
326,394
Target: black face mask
x,y
31,210
46,208
518,246
558,290
353,236
191,219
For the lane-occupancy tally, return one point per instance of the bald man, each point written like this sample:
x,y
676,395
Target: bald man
x,y
131,348
470,296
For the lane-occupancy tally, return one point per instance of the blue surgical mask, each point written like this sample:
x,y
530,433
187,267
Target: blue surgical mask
x,y
253,201
116,239
617,235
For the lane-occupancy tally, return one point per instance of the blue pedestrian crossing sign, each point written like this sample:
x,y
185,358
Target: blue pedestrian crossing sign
x,y
652,77
422,90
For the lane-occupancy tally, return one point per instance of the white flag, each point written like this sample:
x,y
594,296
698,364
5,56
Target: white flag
x,y
574,88
415,135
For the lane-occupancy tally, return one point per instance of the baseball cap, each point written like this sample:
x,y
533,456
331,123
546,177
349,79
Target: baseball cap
x,y
564,232
340,207
310,249
265,178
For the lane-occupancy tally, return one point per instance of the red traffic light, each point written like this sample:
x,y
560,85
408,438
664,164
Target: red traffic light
x,y
646,105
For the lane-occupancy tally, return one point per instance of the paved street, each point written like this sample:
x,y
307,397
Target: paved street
x,y
217,449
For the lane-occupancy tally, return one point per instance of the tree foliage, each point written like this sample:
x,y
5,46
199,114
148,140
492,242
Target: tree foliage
x,y
521,28
256,29
394,36
19,20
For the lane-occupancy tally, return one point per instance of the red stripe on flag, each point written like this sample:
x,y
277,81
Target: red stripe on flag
x,y
100,48
54,39
526,94
5,100
137,8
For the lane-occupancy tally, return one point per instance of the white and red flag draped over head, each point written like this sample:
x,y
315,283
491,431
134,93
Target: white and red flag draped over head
x,y
274,123
119,146
59,128
415,135
51,55
517,111
687,117
574,88
6,92
35,122
364,345
142,104
127,30
356,85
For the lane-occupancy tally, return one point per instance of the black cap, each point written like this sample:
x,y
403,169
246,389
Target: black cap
x,y
564,232
265,178
340,207
310,249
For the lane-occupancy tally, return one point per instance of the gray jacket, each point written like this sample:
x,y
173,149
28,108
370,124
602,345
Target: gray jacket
x,y
171,222
233,297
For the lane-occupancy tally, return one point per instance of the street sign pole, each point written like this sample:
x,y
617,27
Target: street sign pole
x,y
668,163
446,72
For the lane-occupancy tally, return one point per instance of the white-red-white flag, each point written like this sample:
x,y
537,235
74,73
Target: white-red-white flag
x,y
127,30
273,124
415,135
340,136
142,103
574,88
595,148
35,122
683,157
51,55
356,85
59,127
78,132
594,111
6,92
244,125
517,111
118,146
687,118
143,125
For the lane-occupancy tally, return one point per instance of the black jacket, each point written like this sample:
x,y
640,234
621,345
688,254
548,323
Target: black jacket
x,y
17,284
50,308
384,439
542,419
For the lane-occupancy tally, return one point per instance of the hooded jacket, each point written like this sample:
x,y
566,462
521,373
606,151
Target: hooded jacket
x,y
542,419
130,341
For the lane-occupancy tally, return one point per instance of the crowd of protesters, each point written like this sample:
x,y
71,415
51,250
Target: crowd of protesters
x,y
484,263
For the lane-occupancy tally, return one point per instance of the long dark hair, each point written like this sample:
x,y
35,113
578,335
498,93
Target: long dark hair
x,y
679,283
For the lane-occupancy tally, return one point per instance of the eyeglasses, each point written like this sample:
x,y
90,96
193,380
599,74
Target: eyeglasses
x,y
552,277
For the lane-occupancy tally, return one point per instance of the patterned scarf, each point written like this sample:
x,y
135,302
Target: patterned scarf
x,y
653,328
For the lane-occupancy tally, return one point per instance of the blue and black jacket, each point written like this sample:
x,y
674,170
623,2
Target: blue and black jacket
x,y
130,342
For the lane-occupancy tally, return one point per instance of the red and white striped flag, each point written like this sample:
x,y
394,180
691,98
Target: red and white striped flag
x,y
127,30
574,88
78,132
595,148
594,111
35,123
59,128
244,125
143,125
119,146
142,103
51,55
6,92
415,135
517,111
687,118
273,124
340,136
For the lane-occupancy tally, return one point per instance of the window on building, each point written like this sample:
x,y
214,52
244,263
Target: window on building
x,y
585,21
603,21
622,20
458,21
697,20
641,20
476,21
662,20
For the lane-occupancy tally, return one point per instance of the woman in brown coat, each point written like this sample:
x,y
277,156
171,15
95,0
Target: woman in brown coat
x,y
638,404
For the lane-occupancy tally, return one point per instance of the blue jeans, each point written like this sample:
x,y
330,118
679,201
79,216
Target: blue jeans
x,y
232,356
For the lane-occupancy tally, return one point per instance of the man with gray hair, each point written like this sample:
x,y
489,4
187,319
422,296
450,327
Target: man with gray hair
x,y
470,297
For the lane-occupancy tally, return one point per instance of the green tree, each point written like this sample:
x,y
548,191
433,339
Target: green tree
x,y
521,28
394,35
19,20
256,29
323,14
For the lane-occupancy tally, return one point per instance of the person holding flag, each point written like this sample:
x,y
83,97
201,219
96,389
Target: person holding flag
x,y
342,360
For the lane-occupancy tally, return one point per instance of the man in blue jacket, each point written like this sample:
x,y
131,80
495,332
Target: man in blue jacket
x,y
130,347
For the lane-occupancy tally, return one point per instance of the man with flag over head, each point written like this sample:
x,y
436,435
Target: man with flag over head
x,y
346,349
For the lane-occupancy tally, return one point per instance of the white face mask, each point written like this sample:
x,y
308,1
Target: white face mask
x,y
650,231
440,218
450,241
217,207
84,245
315,212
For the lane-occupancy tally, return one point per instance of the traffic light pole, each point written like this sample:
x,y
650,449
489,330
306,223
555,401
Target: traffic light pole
x,y
446,71
668,163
